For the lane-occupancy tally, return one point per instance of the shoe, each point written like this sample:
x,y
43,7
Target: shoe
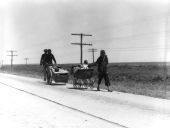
x,y
44,79
109,90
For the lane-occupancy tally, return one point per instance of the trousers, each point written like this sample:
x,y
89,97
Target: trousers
x,y
104,75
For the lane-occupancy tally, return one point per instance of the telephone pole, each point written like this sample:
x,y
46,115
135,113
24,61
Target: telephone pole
x,y
92,50
81,44
26,60
2,63
12,55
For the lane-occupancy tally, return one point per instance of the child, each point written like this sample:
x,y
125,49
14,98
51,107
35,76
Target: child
x,y
85,65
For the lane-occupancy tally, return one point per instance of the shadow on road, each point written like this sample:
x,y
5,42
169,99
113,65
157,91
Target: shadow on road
x,y
53,84
77,88
58,84
87,89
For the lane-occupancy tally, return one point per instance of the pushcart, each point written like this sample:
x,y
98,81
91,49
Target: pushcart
x,y
58,75
83,78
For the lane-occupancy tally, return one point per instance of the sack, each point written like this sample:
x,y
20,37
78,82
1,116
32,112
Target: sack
x,y
56,69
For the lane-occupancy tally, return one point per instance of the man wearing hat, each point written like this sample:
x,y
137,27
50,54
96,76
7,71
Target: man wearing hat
x,y
102,63
43,63
50,57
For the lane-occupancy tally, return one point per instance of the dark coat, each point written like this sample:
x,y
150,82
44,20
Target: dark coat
x,y
50,58
102,63
43,59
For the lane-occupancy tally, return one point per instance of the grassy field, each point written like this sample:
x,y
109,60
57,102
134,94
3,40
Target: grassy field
x,y
148,79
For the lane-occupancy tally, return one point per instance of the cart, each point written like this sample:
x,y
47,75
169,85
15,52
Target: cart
x,y
57,74
83,78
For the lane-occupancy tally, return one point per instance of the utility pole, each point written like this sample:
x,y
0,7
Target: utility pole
x,y
92,50
12,55
26,60
2,64
81,44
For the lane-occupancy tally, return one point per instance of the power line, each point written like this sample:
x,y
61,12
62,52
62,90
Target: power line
x,y
129,23
2,63
132,37
92,50
12,55
116,25
81,44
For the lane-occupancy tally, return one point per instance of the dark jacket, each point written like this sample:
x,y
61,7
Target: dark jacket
x,y
43,59
102,64
50,58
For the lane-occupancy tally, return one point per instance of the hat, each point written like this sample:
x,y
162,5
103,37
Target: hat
x,y
102,52
45,50
49,50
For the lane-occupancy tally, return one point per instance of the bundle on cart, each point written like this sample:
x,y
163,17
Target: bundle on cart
x,y
57,74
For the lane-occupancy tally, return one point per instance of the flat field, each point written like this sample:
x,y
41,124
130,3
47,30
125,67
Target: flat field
x,y
150,79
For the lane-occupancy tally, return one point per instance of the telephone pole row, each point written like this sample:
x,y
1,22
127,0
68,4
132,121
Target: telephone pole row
x,y
12,55
92,50
81,44
1,63
26,60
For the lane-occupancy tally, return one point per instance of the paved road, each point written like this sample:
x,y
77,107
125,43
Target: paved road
x,y
30,101
23,110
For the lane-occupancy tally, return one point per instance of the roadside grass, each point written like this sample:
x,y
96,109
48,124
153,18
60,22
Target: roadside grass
x,y
141,79
23,70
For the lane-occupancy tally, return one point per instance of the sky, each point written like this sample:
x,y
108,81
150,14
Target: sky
x,y
128,30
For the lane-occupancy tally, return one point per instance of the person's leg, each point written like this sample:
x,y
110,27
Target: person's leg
x,y
100,77
48,75
107,81
44,73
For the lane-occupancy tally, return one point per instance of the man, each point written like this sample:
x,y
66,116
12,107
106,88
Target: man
x,y
50,58
43,62
102,63
49,63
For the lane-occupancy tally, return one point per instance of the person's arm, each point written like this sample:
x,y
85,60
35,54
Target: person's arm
x,y
93,64
53,59
106,60
41,60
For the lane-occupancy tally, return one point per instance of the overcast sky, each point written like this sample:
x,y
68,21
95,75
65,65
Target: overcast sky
x,y
129,30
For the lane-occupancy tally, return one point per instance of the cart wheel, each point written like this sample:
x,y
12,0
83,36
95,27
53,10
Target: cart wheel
x,y
86,82
80,83
77,83
91,83
78,86
74,83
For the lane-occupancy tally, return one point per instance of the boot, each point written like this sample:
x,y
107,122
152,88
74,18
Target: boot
x,y
108,89
44,78
98,88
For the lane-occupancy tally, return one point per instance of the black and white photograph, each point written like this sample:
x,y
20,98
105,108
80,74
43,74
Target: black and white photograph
x,y
84,64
